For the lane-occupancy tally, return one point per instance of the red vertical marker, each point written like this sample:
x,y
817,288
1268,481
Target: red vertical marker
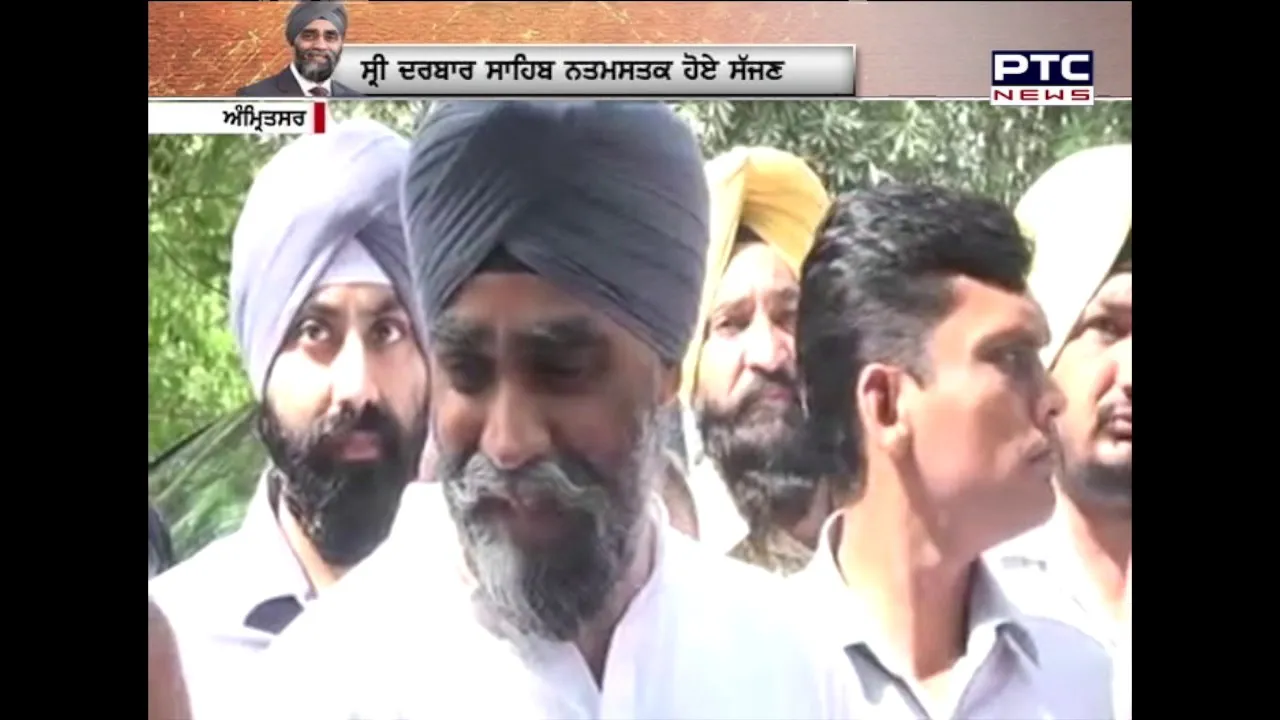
x,y
319,122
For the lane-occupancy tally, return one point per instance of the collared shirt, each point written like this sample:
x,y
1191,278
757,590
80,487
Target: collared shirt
x,y
228,602
720,525
307,86
1015,667
1044,575
705,638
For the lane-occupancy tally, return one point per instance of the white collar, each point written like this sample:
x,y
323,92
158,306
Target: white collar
x,y
271,570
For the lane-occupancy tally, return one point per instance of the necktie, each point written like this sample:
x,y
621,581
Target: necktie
x,y
319,91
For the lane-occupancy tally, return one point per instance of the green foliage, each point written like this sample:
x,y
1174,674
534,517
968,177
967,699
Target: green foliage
x,y
198,183
996,151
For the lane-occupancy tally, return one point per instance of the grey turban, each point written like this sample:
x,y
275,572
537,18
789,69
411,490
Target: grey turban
x,y
606,200
304,12
316,196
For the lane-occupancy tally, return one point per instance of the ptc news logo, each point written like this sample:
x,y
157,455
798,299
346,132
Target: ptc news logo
x,y
1026,77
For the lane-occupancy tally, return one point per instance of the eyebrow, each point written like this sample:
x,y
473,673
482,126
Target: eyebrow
x,y
1115,305
788,295
386,306
455,334
1100,306
560,335
1017,336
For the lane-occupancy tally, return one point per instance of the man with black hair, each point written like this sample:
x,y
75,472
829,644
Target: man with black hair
x,y
917,345
318,284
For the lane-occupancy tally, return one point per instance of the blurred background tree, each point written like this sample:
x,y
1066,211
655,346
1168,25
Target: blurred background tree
x,y
204,460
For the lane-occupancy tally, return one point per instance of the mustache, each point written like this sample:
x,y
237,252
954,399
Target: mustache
x,y
566,481
317,55
1110,412
773,379
331,430
754,397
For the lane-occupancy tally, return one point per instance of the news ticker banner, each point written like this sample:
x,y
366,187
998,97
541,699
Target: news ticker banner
x,y
239,117
914,49
652,71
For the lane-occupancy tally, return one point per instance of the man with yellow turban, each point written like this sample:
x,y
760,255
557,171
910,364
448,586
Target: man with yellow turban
x,y
1074,567
755,493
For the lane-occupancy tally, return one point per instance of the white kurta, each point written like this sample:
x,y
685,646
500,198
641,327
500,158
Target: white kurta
x,y
720,526
706,637
1044,575
226,604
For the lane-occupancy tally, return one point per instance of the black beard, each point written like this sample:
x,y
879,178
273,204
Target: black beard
x,y
550,590
345,509
313,70
759,450
1095,484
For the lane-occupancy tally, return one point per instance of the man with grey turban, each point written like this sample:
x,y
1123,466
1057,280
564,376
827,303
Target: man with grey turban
x,y
558,251
315,31
318,282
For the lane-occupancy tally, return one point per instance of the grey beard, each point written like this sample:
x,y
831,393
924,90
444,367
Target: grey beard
x,y
551,592
313,71
766,466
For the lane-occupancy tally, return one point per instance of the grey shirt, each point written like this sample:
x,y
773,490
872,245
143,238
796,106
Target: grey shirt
x,y
1015,666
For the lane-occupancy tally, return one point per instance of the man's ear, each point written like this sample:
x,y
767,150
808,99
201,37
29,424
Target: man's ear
x,y
877,396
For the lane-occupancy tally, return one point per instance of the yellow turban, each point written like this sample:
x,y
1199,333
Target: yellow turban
x,y
1079,214
772,193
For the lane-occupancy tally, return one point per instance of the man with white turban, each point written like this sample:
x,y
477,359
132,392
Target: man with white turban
x,y
315,32
756,493
558,250
1080,215
1076,567
318,291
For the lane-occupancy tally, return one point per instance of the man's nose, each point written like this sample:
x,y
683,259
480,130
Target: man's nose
x,y
767,348
515,433
350,370
1051,404
1123,352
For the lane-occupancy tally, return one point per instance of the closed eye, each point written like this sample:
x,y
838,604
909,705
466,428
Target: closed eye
x,y
469,374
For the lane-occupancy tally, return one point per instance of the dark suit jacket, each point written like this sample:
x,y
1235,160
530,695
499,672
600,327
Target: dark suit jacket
x,y
285,84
